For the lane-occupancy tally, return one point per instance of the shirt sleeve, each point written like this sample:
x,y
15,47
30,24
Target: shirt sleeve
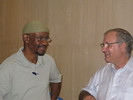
x,y
55,76
1,98
93,85
4,81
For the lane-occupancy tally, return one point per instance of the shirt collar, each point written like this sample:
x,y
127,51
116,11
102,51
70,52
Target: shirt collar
x,y
129,65
24,59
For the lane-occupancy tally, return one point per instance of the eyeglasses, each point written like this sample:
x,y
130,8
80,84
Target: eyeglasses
x,y
41,39
106,44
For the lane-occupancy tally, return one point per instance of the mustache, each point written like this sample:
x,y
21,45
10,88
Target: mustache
x,y
45,46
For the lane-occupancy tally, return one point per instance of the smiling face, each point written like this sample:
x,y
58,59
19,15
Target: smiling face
x,y
38,42
112,52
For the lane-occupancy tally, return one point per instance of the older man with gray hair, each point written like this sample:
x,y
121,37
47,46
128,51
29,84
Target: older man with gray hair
x,y
114,81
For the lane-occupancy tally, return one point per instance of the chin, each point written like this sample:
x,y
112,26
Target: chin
x,y
107,60
40,54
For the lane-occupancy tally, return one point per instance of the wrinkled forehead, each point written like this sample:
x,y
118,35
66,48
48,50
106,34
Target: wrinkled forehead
x,y
110,36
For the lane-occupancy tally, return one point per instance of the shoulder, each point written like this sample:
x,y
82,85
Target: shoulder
x,y
8,64
107,66
9,60
47,58
13,58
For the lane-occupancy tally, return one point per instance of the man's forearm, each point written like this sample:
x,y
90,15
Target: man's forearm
x,y
55,90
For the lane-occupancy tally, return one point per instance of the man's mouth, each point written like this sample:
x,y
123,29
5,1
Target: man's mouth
x,y
106,54
42,47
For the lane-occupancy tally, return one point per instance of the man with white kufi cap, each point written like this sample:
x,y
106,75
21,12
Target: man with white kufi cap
x,y
27,74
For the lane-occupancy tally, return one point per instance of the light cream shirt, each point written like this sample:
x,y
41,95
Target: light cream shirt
x,y
23,80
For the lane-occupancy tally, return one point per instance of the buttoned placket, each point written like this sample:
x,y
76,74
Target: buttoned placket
x,y
115,84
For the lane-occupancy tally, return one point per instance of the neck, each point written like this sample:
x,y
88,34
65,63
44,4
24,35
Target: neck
x,y
30,56
121,63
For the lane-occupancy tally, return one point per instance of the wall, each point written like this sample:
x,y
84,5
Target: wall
x,y
76,28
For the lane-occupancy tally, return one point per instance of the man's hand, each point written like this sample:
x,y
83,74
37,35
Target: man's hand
x,y
90,97
84,95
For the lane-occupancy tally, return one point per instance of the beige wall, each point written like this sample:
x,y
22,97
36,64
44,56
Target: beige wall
x,y
76,28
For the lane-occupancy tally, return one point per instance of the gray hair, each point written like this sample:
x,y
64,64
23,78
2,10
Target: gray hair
x,y
123,36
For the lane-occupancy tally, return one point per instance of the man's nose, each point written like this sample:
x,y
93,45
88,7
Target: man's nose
x,y
104,49
44,42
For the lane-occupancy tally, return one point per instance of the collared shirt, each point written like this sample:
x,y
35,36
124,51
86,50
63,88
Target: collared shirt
x,y
111,84
23,80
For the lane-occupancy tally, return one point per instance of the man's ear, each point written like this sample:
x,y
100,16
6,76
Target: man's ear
x,y
26,38
124,46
